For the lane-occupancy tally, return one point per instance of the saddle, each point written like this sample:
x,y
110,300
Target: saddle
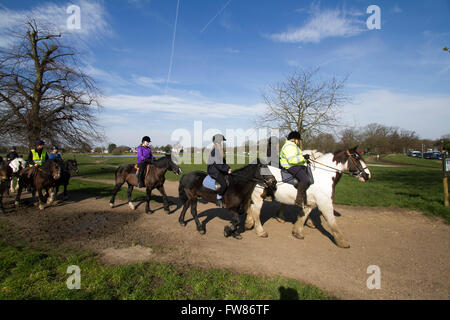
x,y
286,177
211,183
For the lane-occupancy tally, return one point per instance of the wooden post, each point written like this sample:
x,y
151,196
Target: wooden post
x,y
445,170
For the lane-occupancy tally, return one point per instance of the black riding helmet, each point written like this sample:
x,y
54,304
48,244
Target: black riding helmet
x,y
294,135
218,138
146,138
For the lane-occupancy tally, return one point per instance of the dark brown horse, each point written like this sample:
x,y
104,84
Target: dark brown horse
x,y
236,198
67,169
153,180
5,180
40,178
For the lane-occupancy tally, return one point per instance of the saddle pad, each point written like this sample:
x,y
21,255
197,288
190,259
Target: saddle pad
x,y
288,178
210,183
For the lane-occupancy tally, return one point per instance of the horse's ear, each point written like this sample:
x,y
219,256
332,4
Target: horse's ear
x,y
354,148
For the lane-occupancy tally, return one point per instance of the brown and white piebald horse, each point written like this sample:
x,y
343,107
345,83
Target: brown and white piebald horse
x,y
327,169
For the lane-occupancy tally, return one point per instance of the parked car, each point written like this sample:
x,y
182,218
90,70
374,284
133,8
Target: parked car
x,y
433,155
416,154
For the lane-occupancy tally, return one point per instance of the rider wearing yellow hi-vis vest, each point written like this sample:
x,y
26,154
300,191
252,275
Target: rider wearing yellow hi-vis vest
x,y
38,155
292,160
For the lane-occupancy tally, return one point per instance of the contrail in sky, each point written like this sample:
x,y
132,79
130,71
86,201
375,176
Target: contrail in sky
x,y
226,5
173,46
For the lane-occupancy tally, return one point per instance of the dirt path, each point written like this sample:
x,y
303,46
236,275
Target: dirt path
x,y
411,250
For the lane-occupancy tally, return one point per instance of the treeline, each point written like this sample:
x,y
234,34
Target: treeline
x,y
373,138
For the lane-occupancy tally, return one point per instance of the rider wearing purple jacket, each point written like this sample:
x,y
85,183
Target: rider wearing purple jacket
x,y
144,157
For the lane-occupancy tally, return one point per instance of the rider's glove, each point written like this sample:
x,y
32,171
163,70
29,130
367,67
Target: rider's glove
x,y
306,156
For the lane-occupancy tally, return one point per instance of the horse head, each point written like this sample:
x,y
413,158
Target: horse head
x,y
55,169
356,165
263,173
72,166
173,166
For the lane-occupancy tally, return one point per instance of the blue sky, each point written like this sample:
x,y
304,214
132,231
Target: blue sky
x,y
213,64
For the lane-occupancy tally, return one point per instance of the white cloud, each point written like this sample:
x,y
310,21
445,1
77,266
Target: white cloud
x,y
93,16
321,25
175,107
425,114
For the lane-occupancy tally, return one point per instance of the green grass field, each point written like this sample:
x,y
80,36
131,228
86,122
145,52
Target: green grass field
x,y
30,273
403,159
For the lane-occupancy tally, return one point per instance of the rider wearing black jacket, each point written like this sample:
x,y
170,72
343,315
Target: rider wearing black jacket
x,y
217,166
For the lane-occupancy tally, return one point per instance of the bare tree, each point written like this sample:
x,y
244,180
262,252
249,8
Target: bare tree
x,y
303,103
43,91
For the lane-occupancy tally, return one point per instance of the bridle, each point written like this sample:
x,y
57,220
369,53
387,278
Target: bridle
x,y
351,160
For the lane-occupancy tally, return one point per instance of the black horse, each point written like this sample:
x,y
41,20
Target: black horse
x,y
67,168
236,198
154,179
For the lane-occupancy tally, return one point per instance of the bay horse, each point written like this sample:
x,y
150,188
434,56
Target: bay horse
x,y
155,178
236,197
68,167
327,170
5,178
40,178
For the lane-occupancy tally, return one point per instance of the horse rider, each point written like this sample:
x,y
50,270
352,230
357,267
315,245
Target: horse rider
x,y
145,157
293,161
217,166
38,155
54,154
12,154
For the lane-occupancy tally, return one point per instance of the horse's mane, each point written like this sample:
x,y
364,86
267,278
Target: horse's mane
x,y
246,173
46,164
161,162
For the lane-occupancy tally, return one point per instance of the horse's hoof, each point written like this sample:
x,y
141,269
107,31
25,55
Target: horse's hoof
x,y
41,207
202,231
227,231
342,244
237,236
111,205
132,207
280,220
263,235
298,235
149,211
16,203
182,223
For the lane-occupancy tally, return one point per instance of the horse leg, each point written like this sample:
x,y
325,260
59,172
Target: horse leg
x,y
200,228
280,213
147,205
19,192
183,212
234,230
65,196
339,239
116,189
41,199
297,231
52,196
165,200
255,213
130,191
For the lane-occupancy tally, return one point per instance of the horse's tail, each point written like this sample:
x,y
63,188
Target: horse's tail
x,y
115,174
181,193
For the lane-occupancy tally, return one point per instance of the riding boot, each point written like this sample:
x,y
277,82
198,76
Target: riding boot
x,y
301,194
139,175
